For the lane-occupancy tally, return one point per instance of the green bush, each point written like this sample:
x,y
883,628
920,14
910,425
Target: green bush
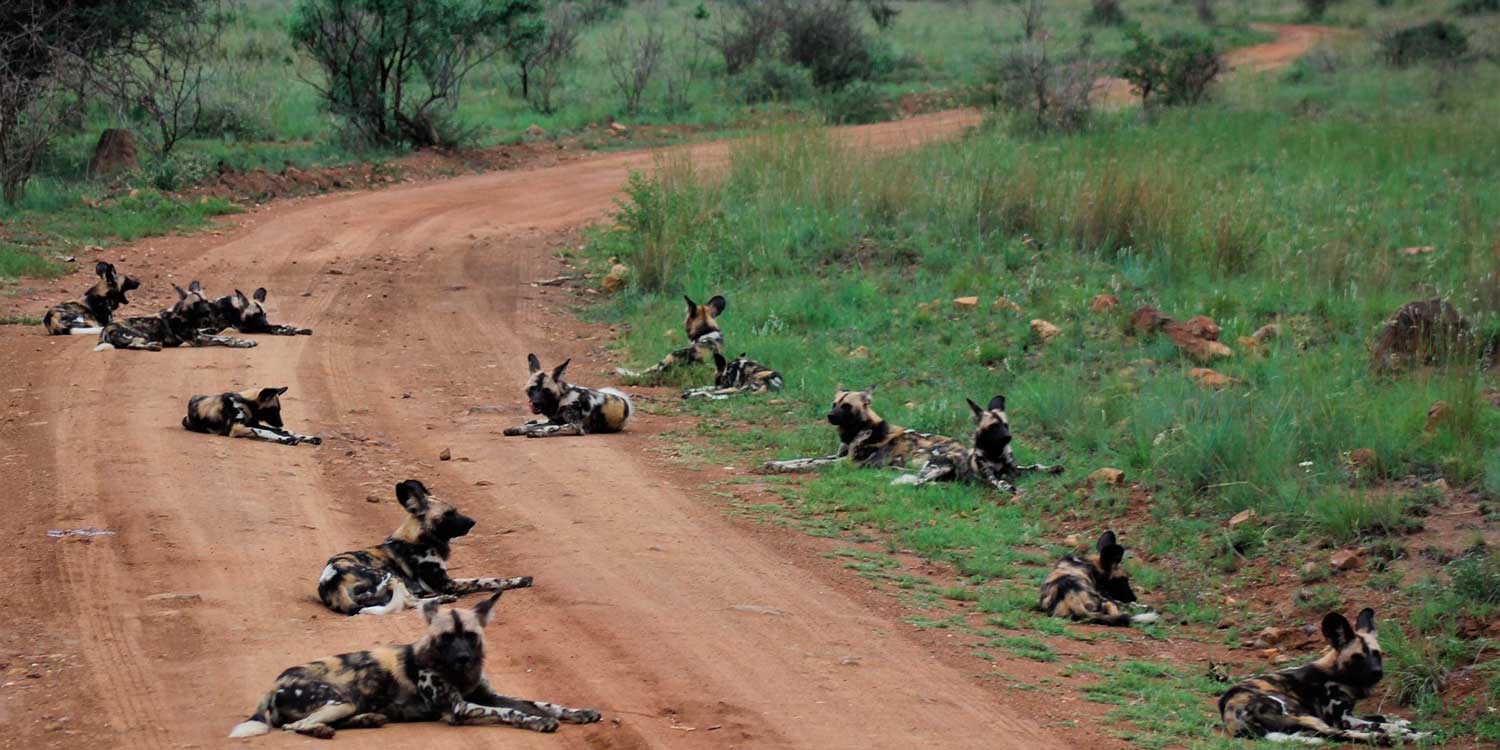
x,y
1476,7
1105,13
855,103
1175,70
772,80
1439,41
826,37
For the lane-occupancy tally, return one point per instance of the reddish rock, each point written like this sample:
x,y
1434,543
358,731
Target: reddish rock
x,y
1102,303
1044,331
115,152
1210,378
1345,559
1109,476
1148,320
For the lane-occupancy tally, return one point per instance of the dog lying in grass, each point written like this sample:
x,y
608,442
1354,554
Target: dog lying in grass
x,y
411,567
440,676
569,409
1095,589
704,339
989,462
175,326
1315,702
737,377
866,439
248,315
254,414
92,312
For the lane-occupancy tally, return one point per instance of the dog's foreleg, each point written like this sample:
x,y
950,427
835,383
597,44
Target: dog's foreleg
x,y
484,695
802,464
463,586
203,339
92,331
364,721
239,430
280,330
934,471
473,713
1044,468
319,723
554,430
995,479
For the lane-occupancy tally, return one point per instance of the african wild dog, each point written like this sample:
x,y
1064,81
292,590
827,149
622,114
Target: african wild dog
x,y
1092,590
440,676
254,414
990,461
1316,701
870,441
172,327
704,339
737,377
92,312
569,409
410,567
247,315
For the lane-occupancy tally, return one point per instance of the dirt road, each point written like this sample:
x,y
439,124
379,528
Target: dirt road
x,y
687,629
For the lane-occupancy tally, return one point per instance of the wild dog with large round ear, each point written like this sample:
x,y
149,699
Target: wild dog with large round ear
x,y
569,409
1094,589
254,414
440,677
95,309
737,377
410,567
869,441
990,461
175,326
704,339
1316,701
247,314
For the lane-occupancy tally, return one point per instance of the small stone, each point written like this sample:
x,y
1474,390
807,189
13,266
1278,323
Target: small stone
x,y
1436,413
1266,332
966,304
1270,653
1102,303
1346,559
1148,320
1241,518
1071,540
1418,250
1044,331
1252,346
485,409
1107,476
372,498
1361,458
1004,304
483,483
848,661
1210,378
535,131
1308,569
618,127
860,352
616,280
446,455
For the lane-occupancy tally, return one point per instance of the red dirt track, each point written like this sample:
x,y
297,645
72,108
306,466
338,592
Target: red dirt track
x,y
688,628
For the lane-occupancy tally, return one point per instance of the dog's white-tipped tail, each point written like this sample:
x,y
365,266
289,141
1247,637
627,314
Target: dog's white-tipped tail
x,y
104,346
906,479
251,728
95,331
1144,618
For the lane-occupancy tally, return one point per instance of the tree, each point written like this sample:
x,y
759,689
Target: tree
x,y
632,58
394,69
1175,70
160,68
542,54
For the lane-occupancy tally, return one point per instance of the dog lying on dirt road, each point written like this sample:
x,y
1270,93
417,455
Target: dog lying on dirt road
x,y
1315,701
410,567
569,409
440,676
869,441
990,461
737,377
704,339
1094,590
254,414
92,312
247,315
177,325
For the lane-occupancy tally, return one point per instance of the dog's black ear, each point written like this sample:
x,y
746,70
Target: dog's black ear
x,y
997,403
266,394
558,370
719,362
101,268
1110,556
973,407
692,306
181,293
869,393
1336,629
429,610
1106,539
241,295
260,294
413,496
195,286
533,364
486,609
717,304
1365,623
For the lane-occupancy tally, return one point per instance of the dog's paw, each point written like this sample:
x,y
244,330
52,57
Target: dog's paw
x,y
1058,469
512,431
540,723
583,716
310,729
524,582
313,440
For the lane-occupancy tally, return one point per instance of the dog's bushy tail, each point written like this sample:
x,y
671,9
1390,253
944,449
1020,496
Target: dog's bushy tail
x,y
259,722
629,407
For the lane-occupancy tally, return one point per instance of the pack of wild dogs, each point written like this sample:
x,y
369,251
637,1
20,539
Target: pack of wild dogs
x,y
440,676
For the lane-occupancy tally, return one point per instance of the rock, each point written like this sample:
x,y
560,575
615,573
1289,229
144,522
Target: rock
x,y
1210,378
616,280
486,409
1345,559
847,661
1241,518
1270,653
1252,346
1148,320
966,304
1420,332
1203,327
115,152
173,596
1102,303
1198,340
1308,570
92,249
1266,332
1107,476
618,127
446,455
1071,540
484,483
372,498
860,352
1004,304
1043,330
1436,413
535,131
1361,458
1418,250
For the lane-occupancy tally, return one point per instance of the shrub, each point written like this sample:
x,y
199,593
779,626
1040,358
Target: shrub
x,y
1048,95
825,37
1105,13
773,80
1476,576
632,58
178,170
747,33
1438,40
855,103
1315,9
1476,7
1175,70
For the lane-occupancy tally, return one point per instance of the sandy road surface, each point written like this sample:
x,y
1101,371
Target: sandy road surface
x,y
685,628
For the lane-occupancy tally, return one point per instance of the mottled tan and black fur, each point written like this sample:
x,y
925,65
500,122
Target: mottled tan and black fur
x,y
989,462
247,315
95,309
1094,589
866,439
737,377
704,339
440,677
175,326
569,409
1315,702
410,567
254,414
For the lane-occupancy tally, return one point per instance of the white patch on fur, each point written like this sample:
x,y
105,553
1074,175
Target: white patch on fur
x,y
328,572
250,728
906,479
400,599
104,346
94,331
1145,617
629,407
1284,737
